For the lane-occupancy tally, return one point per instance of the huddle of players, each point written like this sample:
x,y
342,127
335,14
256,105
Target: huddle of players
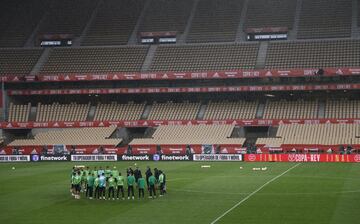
x,y
97,181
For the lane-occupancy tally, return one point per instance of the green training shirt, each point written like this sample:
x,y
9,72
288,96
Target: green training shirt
x,y
90,181
96,182
141,183
120,181
77,179
111,182
130,180
152,180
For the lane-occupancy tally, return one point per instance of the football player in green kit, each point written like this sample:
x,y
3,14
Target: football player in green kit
x,y
152,182
77,183
141,186
112,185
120,186
90,185
97,189
130,183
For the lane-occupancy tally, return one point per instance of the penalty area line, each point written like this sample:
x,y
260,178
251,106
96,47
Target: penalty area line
x,y
254,192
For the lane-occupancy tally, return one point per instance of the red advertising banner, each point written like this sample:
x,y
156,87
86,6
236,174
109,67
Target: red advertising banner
x,y
154,123
85,149
354,158
231,74
184,89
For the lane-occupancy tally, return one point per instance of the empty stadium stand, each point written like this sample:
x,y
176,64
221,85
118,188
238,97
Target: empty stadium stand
x,y
205,57
314,134
215,21
174,111
201,134
67,17
19,113
18,61
95,60
166,15
114,22
342,108
230,110
62,112
18,20
313,54
283,109
325,19
118,112
270,13
77,136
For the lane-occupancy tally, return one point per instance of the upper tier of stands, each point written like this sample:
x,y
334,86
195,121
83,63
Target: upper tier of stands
x,y
205,57
325,19
230,110
67,17
62,112
215,21
114,22
200,134
18,61
290,109
95,60
313,54
274,109
314,134
71,136
174,111
270,13
166,15
116,112
18,20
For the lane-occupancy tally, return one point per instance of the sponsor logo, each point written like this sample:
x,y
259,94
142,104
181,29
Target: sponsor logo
x,y
130,158
175,158
93,157
15,158
53,158
35,158
252,157
156,157
217,157
357,158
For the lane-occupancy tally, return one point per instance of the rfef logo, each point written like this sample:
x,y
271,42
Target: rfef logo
x,y
35,158
156,157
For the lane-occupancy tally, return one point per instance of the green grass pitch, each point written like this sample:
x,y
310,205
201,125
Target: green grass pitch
x,y
308,193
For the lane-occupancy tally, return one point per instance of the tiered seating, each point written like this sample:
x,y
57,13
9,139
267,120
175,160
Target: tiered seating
x,y
174,111
290,109
215,21
231,110
95,60
205,57
72,136
200,134
18,61
18,19
316,54
314,134
118,112
19,113
68,17
342,108
325,19
270,13
114,22
169,15
62,112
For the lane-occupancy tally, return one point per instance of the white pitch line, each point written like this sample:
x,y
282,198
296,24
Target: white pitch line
x,y
254,192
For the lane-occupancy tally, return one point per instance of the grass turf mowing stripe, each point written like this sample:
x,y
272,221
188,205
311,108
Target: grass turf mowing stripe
x,y
254,192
